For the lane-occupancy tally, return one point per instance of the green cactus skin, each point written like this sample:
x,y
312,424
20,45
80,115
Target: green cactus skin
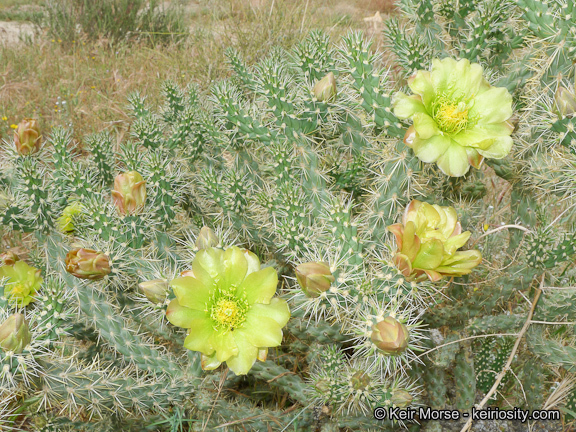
x,y
435,379
533,382
465,379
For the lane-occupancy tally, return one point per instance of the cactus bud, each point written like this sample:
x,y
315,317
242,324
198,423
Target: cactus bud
x,y
325,90
360,381
15,334
87,264
65,222
401,398
564,102
154,290
206,239
129,192
390,336
8,258
27,137
314,278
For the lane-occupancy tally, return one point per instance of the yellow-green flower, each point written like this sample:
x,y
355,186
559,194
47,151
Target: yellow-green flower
x,y
428,239
229,308
458,117
23,282
66,221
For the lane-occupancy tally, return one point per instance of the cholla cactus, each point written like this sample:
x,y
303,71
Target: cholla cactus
x,y
151,309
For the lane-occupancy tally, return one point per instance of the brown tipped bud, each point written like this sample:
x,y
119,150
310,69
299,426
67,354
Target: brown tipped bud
x,y
154,290
8,258
390,336
314,278
401,398
564,102
87,264
206,239
325,90
129,192
15,334
27,139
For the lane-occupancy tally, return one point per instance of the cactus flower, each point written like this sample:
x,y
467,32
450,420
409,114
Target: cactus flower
x,y
206,238
9,258
15,334
564,102
23,282
87,264
229,308
458,118
129,192
428,239
325,90
314,278
390,336
155,290
401,398
27,138
66,220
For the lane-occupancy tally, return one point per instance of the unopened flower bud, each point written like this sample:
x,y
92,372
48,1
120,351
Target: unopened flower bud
x,y
8,258
129,192
314,278
206,239
360,380
27,137
87,264
390,336
564,102
155,290
15,334
325,90
401,398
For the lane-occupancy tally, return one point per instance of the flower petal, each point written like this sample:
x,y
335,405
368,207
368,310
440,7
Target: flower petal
x,y
199,336
181,316
492,106
421,84
202,274
277,310
241,363
209,362
259,286
425,126
406,106
261,331
235,266
224,344
190,292
454,162
456,242
211,260
430,255
499,149
431,149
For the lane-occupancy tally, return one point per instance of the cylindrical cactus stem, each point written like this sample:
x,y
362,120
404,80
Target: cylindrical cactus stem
x,y
465,378
533,383
435,380
283,379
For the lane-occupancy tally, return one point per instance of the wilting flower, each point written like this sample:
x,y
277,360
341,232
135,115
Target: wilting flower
x,y
87,264
155,290
325,90
229,309
458,118
314,278
8,258
27,137
23,282
15,334
428,239
129,192
390,336
66,220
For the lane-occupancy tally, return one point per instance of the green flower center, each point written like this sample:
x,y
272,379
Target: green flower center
x,y
229,313
451,117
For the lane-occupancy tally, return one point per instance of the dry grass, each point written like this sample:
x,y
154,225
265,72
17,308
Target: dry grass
x,y
85,85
